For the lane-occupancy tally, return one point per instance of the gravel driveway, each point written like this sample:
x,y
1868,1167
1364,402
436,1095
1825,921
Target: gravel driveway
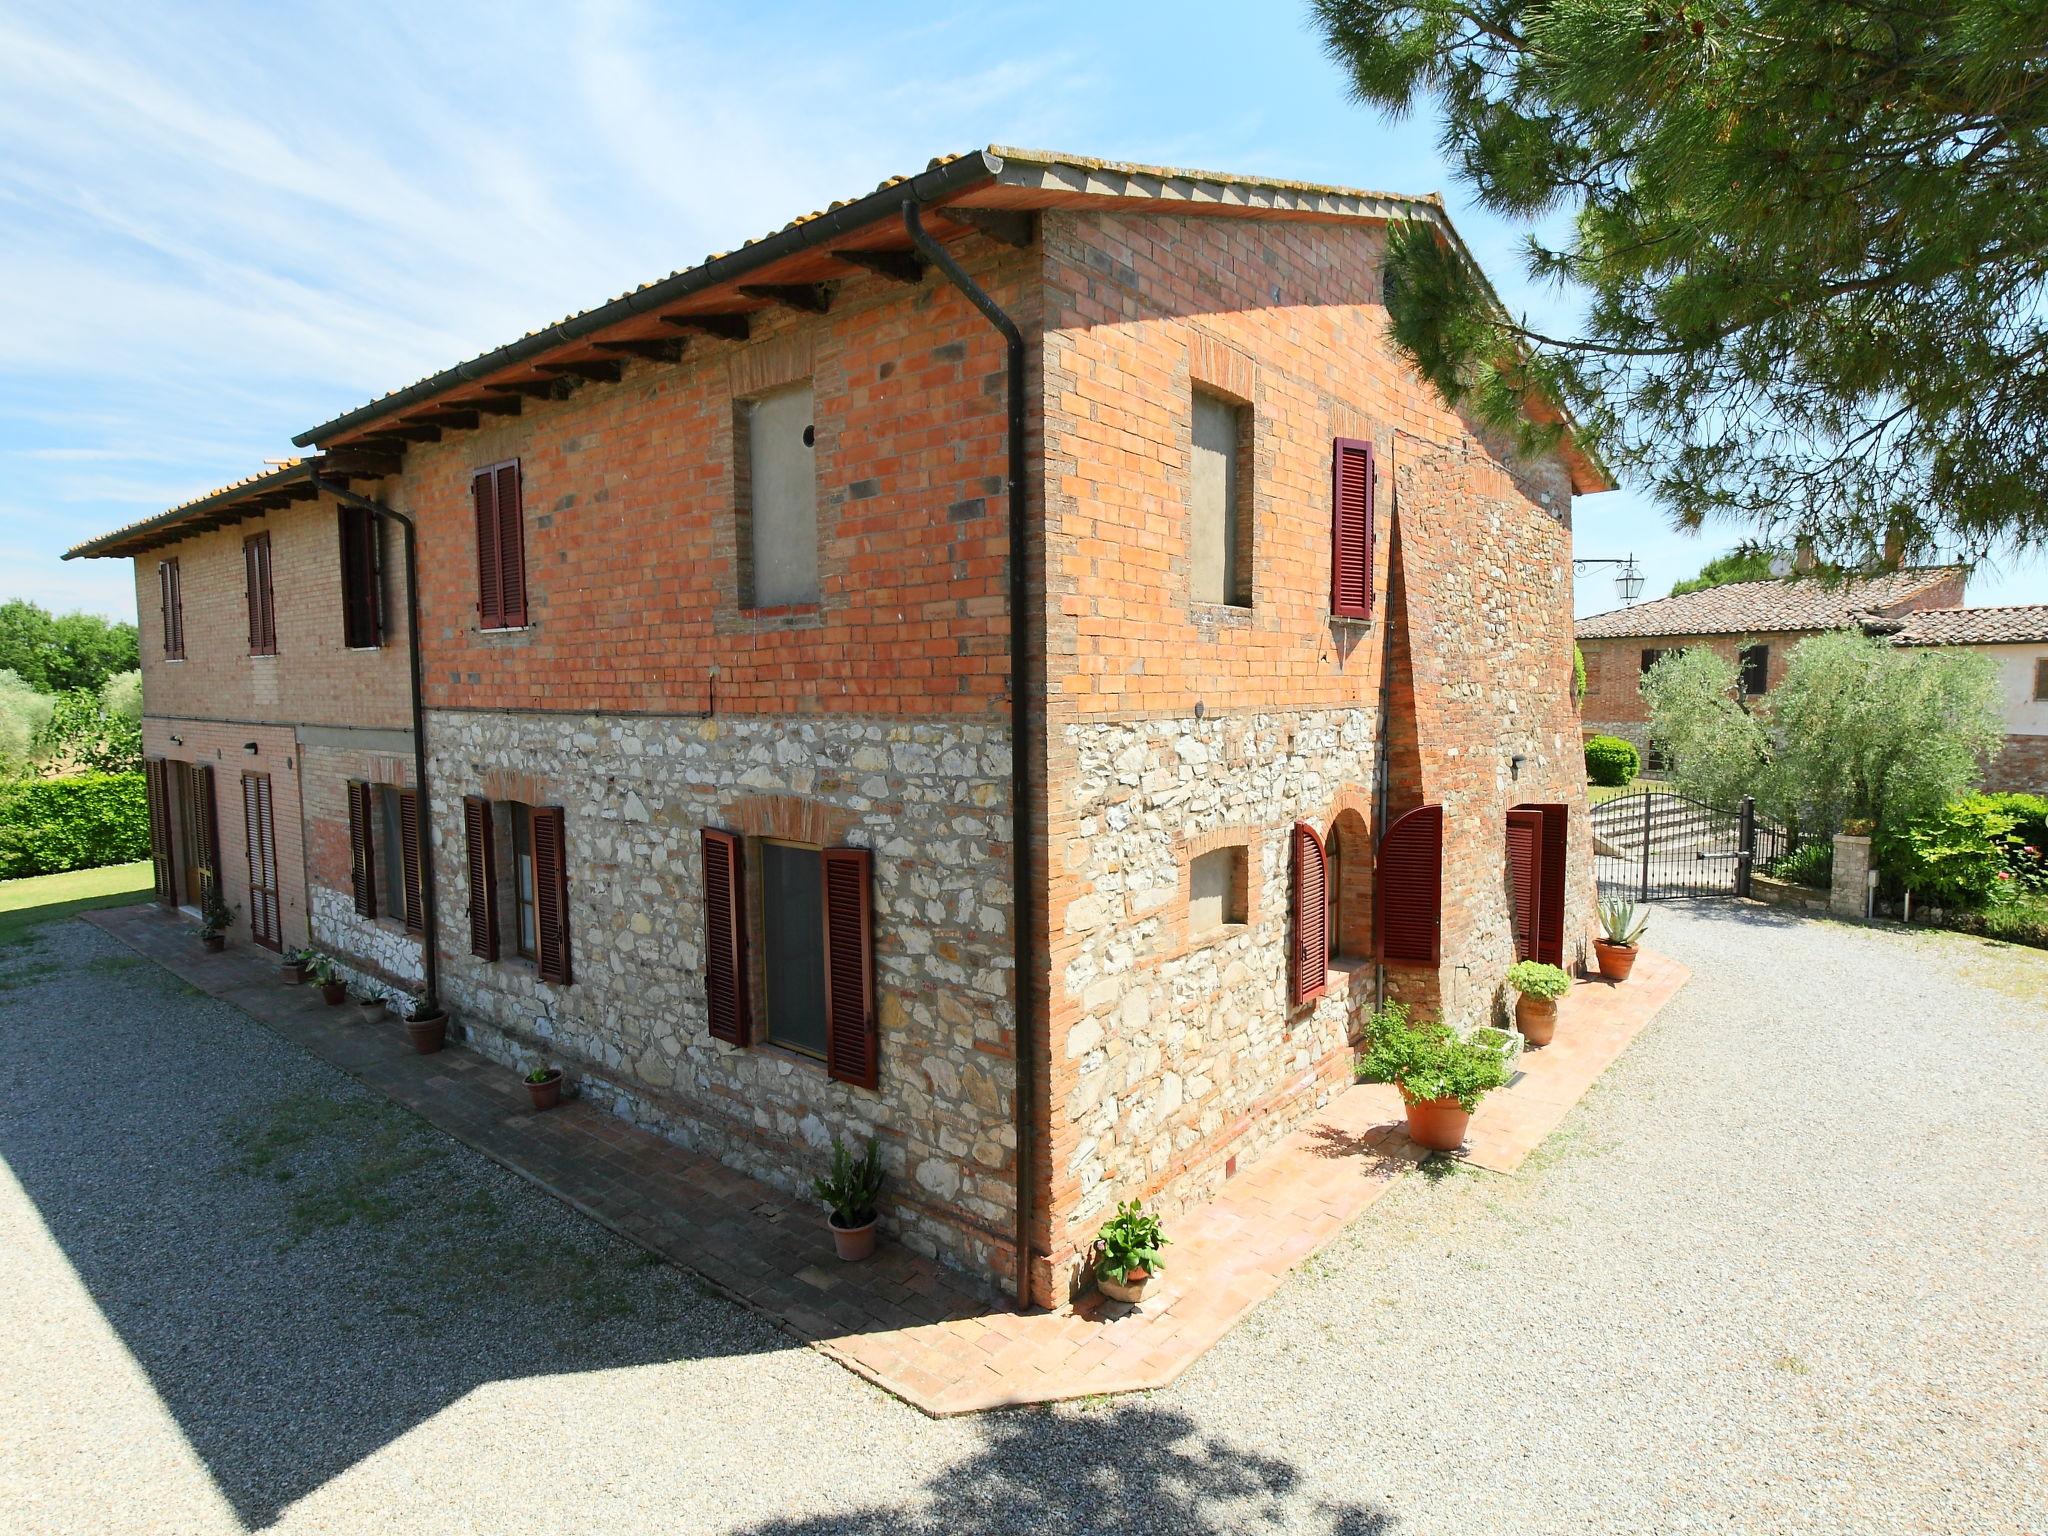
x,y
1785,1270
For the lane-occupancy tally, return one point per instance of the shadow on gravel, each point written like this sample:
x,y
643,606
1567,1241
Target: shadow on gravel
x,y
305,1272
1125,1467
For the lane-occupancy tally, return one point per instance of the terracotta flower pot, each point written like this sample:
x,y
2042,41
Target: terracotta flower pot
x,y
546,1093
1536,1018
852,1242
294,974
1131,1288
428,1032
1438,1124
1616,960
334,992
216,942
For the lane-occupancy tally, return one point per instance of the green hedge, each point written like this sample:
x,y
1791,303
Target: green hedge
x,y
1612,762
1973,849
80,822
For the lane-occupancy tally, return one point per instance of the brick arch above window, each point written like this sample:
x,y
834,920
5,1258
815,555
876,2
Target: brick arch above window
x,y
525,788
792,818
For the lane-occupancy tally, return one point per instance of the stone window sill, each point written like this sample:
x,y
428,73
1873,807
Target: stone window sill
x,y
1216,935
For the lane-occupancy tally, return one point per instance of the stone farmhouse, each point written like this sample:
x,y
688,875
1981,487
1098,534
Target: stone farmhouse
x,y
1756,623
1012,664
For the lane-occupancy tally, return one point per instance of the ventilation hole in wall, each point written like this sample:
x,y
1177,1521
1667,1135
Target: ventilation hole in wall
x,y
810,437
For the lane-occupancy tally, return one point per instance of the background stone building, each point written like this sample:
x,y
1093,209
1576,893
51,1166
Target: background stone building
x,y
719,703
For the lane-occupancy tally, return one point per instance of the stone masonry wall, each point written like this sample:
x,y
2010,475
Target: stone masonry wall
x,y
930,798
1186,1053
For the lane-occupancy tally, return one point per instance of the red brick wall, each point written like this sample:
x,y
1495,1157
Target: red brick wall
x,y
631,528
1614,669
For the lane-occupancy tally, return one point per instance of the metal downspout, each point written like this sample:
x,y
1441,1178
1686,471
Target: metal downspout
x,y
1023,884
431,926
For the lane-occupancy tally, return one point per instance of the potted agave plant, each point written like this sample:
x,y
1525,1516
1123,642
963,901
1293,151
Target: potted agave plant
x,y
216,917
426,1023
1538,987
333,990
1127,1252
1441,1074
1616,946
544,1086
849,1191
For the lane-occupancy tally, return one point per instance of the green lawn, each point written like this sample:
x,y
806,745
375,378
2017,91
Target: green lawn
x,y
1599,792
27,904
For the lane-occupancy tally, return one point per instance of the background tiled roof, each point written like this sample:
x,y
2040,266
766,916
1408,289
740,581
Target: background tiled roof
x,y
1765,607
2017,624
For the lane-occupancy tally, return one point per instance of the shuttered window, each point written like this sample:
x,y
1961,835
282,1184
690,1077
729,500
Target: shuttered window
x,y
157,781
362,608
259,830
852,1051
550,893
206,812
1525,879
1408,884
171,598
1351,552
1308,966
500,547
262,600
362,856
479,837
725,937
409,857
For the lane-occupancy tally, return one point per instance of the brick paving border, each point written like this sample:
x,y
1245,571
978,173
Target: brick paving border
x,y
905,1322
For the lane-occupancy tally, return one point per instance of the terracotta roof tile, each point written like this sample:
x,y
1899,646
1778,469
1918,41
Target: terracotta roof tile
x,y
1766,607
2013,624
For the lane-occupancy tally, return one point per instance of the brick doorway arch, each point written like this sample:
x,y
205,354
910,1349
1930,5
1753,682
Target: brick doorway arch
x,y
1350,851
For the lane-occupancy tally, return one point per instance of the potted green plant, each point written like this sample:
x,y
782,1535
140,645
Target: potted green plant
x,y
426,1023
215,918
849,1191
298,965
333,990
1127,1252
1441,1074
544,1086
1538,987
368,1000
1616,947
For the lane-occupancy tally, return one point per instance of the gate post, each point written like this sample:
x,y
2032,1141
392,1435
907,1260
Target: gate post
x,y
1745,845
1643,887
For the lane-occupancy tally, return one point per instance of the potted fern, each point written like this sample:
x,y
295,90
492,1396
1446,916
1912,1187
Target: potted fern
x,y
849,1191
1616,947
1441,1074
544,1086
1537,987
1127,1252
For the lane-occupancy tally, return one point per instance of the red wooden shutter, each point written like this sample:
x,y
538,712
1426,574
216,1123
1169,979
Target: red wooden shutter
x,y
725,937
852,1048
1309,963
480,836
362,855
1525,879
1351,488
550,894
511,545
1408,888
490,598
157,781
361,620
1550,917
209,826
409,858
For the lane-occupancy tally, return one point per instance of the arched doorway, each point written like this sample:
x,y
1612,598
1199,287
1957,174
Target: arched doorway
x,y
1350,854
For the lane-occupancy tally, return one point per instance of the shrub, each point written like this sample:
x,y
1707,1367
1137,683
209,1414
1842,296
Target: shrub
x,y
1427,1059
80,822
1612,762
853,1185
1956,855
1532,978
1812,865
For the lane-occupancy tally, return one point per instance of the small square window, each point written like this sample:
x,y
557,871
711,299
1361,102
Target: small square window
x,y
2041,678
1216,889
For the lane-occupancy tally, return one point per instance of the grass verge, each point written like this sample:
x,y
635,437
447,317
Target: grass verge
x,y
27,904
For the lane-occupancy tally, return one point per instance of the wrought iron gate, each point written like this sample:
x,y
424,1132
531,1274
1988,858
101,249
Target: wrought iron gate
x,y
1653,845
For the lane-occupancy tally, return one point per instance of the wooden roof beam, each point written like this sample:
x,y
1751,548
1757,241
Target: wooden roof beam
x,y
804,298
454,420
897,266
724,327
597,370
1011,228
651,351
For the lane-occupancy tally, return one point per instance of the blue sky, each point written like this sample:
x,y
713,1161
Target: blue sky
x,y
226,223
